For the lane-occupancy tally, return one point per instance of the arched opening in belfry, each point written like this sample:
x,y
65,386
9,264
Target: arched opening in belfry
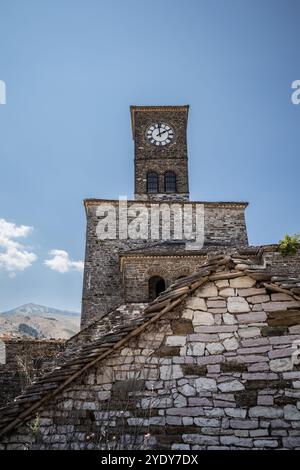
x,y
156,286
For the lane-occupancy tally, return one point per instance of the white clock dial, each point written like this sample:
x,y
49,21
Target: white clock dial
x,y
160,134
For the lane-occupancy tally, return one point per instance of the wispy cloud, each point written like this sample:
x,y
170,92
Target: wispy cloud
x,y
62,263
14,256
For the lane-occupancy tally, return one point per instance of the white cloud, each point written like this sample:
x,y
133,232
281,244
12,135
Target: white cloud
x,y
14,256
62,262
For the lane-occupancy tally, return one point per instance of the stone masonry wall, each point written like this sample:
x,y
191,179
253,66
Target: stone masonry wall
x,y
218,372
103,288
25,359
138,270
172,157
283,265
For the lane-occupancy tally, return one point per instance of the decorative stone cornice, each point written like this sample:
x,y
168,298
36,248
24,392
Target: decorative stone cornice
x,y
227,204
134,109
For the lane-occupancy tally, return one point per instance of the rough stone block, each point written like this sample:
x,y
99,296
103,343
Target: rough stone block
x,y
281,365
258,299
227,292
265,412
203,318
252,317
291,413
242,282
244,423
214,423
193,349
187,390
229,319
237,305
249,332
175,340
215,348
231,344
232,386
170,372
204,384
195,303
265,443
236,412
201,440
208,290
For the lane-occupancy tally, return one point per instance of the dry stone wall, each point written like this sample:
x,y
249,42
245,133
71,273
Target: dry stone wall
x,y
283,265
220,371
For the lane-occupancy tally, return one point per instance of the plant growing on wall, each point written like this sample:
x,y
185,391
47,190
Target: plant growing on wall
x,y
289,245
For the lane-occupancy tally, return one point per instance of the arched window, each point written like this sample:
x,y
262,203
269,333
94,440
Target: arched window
x,y
152,182
156,286
170,182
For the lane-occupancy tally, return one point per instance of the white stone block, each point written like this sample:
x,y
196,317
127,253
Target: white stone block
x,y
265,412
291,412
227,292
250,332
205,384
203,318
187,390
195,303
232,386
231,344
175,340
195,349
170,372
208,290
229,319
188,314
215,348
242,282
281,365
237,305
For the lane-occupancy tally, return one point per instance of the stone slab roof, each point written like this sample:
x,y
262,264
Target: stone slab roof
x,y
167,248
177,248
50,385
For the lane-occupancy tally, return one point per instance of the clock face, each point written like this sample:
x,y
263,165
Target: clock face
x,y
160,134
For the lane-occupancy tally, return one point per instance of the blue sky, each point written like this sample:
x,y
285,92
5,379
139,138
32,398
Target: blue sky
x,y
72,68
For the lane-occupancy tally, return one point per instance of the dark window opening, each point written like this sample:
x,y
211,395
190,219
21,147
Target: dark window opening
x,y
170,182
156,286
152,182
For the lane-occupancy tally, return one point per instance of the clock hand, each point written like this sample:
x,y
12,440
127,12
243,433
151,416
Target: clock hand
x,y
162,132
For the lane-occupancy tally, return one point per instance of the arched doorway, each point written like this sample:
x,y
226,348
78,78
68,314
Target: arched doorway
x,y
156,286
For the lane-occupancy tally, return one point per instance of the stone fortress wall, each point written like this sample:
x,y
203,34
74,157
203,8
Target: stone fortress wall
x,y
217,372
103,287
23,360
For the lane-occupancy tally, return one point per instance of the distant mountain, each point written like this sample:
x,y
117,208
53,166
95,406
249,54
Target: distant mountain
x,y
35,309
37,321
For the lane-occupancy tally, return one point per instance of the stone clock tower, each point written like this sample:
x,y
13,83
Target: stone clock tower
x,y
129,271
161,163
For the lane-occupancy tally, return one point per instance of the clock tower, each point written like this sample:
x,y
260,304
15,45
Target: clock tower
x,y
160,152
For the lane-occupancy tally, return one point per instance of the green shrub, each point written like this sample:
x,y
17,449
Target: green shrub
x,y
289,245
